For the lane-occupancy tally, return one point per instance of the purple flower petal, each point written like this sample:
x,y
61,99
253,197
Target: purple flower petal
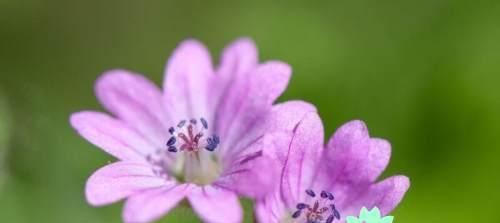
x,y
119,180
135,100
249,100
150,205
286,115
251,174
353,157
271,209
282,117
303,157
186,83
385,195
111,135
237,59
216,205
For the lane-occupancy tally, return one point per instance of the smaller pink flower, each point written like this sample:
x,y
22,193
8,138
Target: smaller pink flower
x,y
326,184
201,138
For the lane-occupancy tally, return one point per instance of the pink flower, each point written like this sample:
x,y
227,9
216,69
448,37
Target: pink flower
x,y
324,185
202,138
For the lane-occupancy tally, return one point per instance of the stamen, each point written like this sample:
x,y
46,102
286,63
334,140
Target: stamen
x,y
204,123
330,196
296,214
181,124
171,141
172,149
301,206
336,213
330,219
324,194
311,193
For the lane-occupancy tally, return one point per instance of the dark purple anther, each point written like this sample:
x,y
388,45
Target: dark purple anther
x,y
330,219
301,206
330,196
310,193
296,214
204,123
172,149
181,123
171,141
336,213
324,194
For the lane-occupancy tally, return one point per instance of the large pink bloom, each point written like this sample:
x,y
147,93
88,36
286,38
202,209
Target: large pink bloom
x,y
202,138
326,184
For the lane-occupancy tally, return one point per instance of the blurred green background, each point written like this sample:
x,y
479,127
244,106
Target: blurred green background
x,y
423,74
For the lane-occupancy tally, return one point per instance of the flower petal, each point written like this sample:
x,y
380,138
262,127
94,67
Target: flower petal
x,y
240,57
254,173
135,100
111,135
149,205
248,101
385,195
352,157
186,83
216,205
283,117
119,180
271,209
237,60
286,115
303,157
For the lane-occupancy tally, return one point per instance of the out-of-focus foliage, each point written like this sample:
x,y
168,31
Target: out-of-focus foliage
x,y
4,135
423,74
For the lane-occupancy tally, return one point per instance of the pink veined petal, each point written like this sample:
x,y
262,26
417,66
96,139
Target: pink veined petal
x,y
302,160
150,205
271,209
240,57
394,187
237,59
262,212
385,195
216,205
135,100
286,115
119,180
352,157
111,135
186,83
254,173
282,117
249,100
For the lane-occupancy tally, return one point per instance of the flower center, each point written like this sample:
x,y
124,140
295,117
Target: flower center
x,y
320,210
191,137
189,153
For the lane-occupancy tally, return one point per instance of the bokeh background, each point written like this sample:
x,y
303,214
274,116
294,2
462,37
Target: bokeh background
x,y
423,74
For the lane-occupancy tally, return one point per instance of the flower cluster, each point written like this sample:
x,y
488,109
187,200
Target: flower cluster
x,y
213,134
